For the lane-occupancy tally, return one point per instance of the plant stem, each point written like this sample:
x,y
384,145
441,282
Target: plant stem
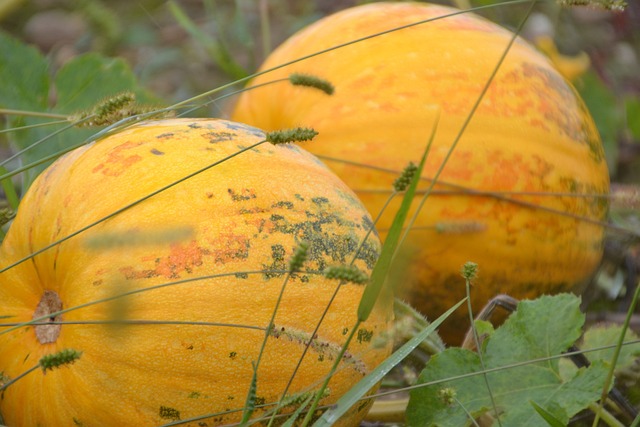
x,y
616,354
606,416
8,111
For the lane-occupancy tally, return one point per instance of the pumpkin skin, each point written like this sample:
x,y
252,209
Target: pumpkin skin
x,y
245,218
531,140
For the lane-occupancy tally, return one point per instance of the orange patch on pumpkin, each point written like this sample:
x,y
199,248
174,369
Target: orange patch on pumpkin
x,y
117,162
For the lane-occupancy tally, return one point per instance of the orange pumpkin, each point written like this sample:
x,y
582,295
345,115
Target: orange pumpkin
x,y
201,263
521,191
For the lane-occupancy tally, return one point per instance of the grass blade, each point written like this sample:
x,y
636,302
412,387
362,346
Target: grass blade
x,y
381,269
365,384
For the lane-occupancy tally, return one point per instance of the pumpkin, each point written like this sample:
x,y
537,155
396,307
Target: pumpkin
x,y
522,193
201,264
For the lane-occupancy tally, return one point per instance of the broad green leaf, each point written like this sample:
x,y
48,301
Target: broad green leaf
x,y
80,84
24,76
607,336
555,416
89,78
543,328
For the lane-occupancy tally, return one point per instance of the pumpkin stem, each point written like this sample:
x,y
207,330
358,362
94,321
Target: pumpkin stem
x,y
50,303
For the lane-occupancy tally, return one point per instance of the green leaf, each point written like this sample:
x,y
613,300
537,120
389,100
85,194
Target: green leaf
x,y
555,416
607,336
539,329
23,73
80,84
89,78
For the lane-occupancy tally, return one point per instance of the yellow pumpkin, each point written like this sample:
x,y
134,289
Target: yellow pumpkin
x,y
202,263
521,193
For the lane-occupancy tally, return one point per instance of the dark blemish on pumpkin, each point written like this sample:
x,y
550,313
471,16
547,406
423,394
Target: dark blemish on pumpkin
x,y
188,346
327,349
193,395
209,194
260,401
164,135
278,263
299,197
320,200
244,194
232,355
246,128
283,204
345,331
219,136
229,247
321,357
77,422
156,152
194,126
230,397
326,244
304,278
363,405
364,335
168,413
97,282
244,211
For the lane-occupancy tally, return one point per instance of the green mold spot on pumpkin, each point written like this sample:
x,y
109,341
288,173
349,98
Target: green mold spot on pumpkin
x,y
320,200
219,136
364,335
233,355
242,195
77,422
278,261
194,395
168,413
283,204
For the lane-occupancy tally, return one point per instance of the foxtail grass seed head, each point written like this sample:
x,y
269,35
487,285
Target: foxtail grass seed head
x,y
308,80
61,358
299,257
405,178
347,273
469,270
114,103
286,136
